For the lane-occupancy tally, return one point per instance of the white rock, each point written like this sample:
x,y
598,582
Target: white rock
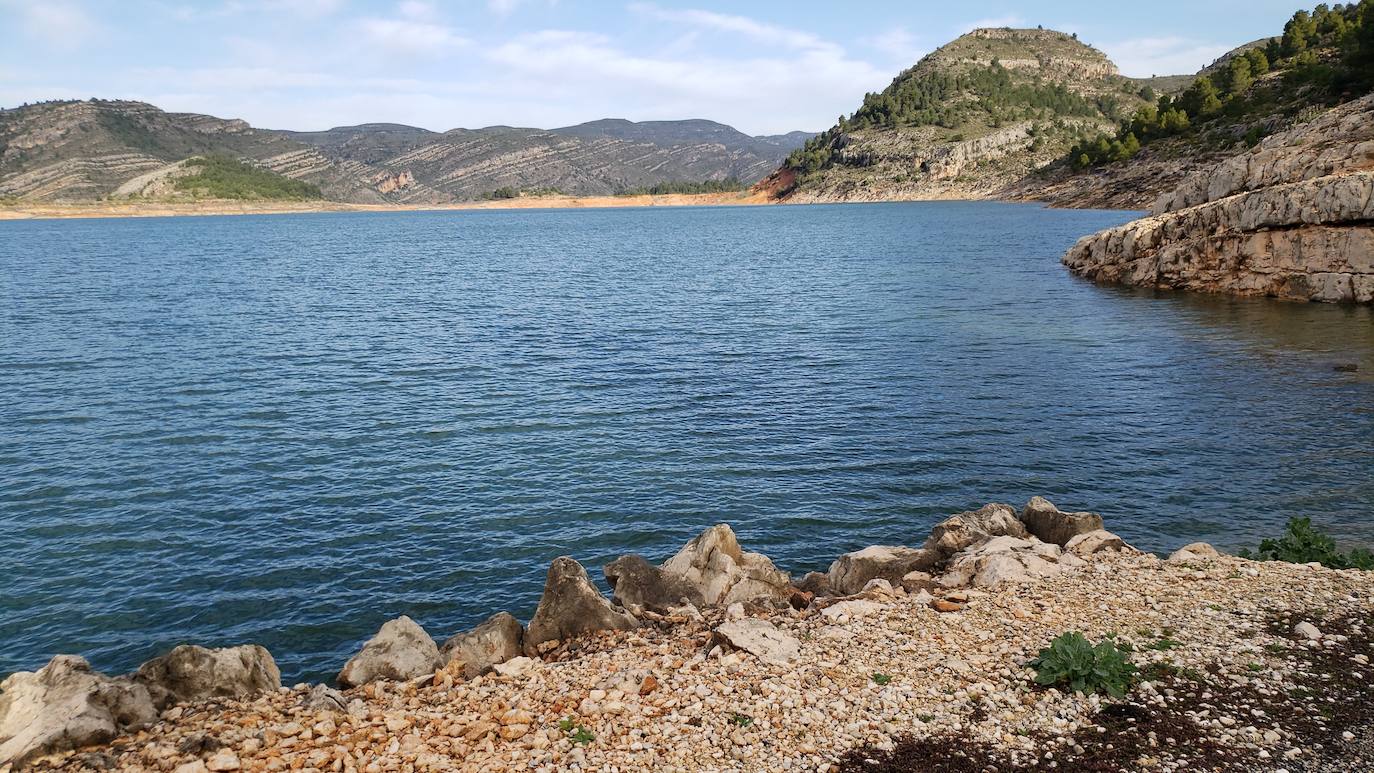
x,y
761,639
1307,631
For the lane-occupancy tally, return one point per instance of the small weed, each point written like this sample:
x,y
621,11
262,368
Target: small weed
x,y
1165,644
1276,649
926,717
741,720
1254,667
882,679
575,732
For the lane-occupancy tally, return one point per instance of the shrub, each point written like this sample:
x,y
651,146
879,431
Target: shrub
x,y
1301,543
1084,667
222,177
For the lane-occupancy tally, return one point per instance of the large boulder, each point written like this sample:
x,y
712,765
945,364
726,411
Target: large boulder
x,y
959,532
571,606
191,673
1094,542
1003,559
498,639
1048,524
761,639
723,573
65,705
638,585
401,650
852,571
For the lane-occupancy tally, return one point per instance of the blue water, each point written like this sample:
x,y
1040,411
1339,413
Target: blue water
x,y
287,429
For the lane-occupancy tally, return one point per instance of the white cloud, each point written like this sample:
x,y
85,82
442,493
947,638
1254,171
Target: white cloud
x,y
53,23
1143,57
584,75
899,45
415,9
741,25
409,37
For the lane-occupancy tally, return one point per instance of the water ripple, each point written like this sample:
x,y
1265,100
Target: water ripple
x,y
289,429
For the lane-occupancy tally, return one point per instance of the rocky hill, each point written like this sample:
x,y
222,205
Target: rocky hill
x,y
968,120
1292,218
82,151
1035,115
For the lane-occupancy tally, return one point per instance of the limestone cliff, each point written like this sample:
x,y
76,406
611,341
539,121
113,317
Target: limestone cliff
x,y
1293,218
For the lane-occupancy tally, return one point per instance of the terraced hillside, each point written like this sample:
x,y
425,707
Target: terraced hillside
x,y
83,151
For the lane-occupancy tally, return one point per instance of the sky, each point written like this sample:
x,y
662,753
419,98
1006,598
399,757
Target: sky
x,y
765,66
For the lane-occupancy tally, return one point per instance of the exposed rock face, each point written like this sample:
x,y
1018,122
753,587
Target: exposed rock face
x,y
1292,219
961,150
723,573
967,529
852,571
83,150
1003,559
190,673
761,639
571,605
1048,524
401,650
638,585
65,705
498,639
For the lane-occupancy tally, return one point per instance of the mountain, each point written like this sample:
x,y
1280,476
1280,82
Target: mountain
x,y
75,151
967,120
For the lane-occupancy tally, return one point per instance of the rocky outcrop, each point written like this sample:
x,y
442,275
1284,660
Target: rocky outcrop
x,y
852,571
1006,559
723,573
965,530
638,585
65,705
401,650
1292,219
191,673
498,639
572,606
1048,524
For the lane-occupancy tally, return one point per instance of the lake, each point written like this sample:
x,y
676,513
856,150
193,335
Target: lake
x,y
288,429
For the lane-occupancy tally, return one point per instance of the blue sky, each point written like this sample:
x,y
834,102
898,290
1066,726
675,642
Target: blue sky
x,y
763,66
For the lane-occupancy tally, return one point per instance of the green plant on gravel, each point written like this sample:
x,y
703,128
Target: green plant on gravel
x,y
882,679
741,720
1302,543
575,732
1165,644
1085,667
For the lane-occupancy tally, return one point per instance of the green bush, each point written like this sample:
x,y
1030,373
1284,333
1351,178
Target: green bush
x,y
222,177
1084,667
1301,543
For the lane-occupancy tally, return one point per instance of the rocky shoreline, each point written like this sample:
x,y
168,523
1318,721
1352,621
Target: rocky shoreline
x,y
1293,219
897,658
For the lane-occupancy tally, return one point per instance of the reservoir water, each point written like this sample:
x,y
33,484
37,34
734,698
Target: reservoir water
x,y
288,429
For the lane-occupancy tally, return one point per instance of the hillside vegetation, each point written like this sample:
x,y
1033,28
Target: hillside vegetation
x,y
977,113
1324,57
221,177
